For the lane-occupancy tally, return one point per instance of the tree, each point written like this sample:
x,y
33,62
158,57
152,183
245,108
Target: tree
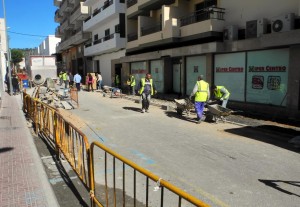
x,y
16,56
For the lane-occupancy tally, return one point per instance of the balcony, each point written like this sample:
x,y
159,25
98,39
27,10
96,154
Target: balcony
x,y
66,6
207,20
79,13
150,30
108,12
132,36
133,10
106,44
154,4
57,32
79,37
66,25
202,15
90,2
130,3
57,3
57,18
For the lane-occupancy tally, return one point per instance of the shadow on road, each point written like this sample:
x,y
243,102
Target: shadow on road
x,y
275,184
274,135
173,114
133,109
66,179
6,149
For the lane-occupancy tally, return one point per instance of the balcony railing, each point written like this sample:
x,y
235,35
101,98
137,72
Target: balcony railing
x,y
130,3
97,11
97,41
150,30
132,37
202,15
103,39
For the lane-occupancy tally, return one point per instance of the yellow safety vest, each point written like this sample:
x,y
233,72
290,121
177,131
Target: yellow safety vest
x,y
132,81
143,81
218,93
202,93
64,76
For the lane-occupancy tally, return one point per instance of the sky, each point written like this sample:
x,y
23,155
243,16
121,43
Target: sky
x,y
33,19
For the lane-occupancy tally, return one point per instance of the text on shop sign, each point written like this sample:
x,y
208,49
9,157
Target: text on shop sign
x,y
267,69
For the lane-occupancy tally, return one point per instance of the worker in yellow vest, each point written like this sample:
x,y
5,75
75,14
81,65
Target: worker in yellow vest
x,y
117,81
60,78
221,93
146,90
201,92
131,83
65,79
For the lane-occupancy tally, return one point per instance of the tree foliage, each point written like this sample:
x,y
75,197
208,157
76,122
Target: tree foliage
x,y
17,56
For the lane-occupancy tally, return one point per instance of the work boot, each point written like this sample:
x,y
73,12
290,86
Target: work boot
x,y
147,110
198,121
143,110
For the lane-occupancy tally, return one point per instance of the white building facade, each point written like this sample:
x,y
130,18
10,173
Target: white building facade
x,y
107,25
245,46
3,52
48,46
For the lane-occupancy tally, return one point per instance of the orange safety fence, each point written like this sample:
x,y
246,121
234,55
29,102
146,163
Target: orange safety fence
x,y
136,181
132,183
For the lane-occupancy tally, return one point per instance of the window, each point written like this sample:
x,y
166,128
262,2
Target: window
x,y
117,28
95,37
107,35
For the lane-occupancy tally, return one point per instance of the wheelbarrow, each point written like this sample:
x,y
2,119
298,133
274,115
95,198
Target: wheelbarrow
x,y
218,112
183,105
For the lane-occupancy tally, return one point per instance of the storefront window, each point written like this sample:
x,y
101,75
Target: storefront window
x,y
267,76
230,73
157,73
195,66
138,69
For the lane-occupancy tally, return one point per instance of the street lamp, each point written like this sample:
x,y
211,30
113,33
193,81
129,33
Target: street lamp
x,y
7,50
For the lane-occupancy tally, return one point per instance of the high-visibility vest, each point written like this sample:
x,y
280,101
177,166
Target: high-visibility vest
x,y
64,76
143,81
202,93
219,94
132,81
117,80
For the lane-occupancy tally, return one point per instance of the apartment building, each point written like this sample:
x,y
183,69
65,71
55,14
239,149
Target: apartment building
x,y
250,47
70,15
48,46
108,40
3,53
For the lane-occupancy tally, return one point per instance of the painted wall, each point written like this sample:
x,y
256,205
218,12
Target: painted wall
x,y
239,12
106,66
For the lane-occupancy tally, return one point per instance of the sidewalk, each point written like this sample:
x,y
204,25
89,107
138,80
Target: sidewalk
x,y
23,181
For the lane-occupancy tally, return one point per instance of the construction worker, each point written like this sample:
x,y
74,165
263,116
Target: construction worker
x,y
146,90
117,81
201,92
220,93
65,79
60,78
132,84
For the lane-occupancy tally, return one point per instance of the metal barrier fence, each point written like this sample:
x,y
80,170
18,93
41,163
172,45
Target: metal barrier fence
x,y
73,144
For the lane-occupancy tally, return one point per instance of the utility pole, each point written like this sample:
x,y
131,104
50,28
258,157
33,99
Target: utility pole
x,y
7,49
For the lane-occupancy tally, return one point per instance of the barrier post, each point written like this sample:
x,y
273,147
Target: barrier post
x,y
55,134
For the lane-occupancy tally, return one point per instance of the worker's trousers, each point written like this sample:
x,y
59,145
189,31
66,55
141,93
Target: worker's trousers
x,y
146,100
199,107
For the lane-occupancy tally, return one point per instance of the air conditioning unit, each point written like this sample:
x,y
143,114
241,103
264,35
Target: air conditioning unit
x,y
230,33
256,28
283,23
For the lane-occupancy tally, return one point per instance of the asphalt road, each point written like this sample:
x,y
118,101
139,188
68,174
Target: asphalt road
x,y
222,164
